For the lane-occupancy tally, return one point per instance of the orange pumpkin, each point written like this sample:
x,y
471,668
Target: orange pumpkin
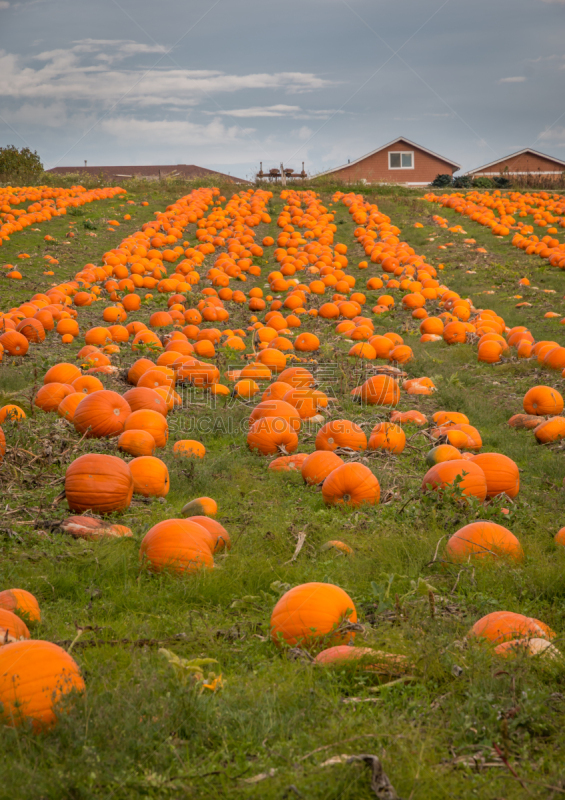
x,y
69,404
62,373
351,484
542,401
380,390
483,540
316,468
98,483
151,421
503,626
189,448
149,399
443,452
527,421
12,629
455,417
34,676
137,443
387,436
502,474
550,430
150,476
276,408
221,536
468,476
177,545
50,396
341,433
93,529
205,506
269,434
14,343
311,612
21,602
288,463
101,414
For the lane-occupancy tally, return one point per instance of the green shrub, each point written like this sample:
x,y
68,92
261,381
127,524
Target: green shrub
x,y
462,182
482,182
441,181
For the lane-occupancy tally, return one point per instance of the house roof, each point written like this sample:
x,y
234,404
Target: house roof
x,y
384,147
178,170
514,155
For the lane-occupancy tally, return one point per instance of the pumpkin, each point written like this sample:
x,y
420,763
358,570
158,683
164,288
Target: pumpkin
x,y
316,468
530,647
306,401
550,430
14,343
543,401
380,390
138,368
49,396
469,477
178,545
276,391
387,436
143,398
269,434
12,629
351,484
98,483
137,443
11,413
101,414
201,506
441,417
502,474
69,404
21,602
151,421
189,448
503,626
443,452
276,408
312,612
150,476
415,417
62,373
483,540
87,384
91,528
288,463
341,433
34,676
527,421
221,536
341,547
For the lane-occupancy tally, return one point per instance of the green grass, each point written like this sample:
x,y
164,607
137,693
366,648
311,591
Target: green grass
x,y
138,731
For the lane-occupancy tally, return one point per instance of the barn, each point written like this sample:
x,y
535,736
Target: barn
x,y
400,161
524,162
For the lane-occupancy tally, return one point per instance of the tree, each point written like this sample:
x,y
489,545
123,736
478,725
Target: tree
x,y
19,164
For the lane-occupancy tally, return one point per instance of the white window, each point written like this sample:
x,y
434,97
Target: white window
x,y
401,160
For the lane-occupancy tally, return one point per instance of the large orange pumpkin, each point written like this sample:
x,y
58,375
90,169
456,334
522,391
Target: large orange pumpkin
x,y
380,390
143,398
150,476
178,545
341,433
137,443
151,421
268,434
98,483
550,430
352,484
62,373
34,676
483,540
542,401
221,536
316,468
502,474
387,436
310,612
469,477
50,396
276,408
101,414
69,404
503,626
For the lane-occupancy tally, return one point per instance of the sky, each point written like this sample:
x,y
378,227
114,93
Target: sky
x,y
227,84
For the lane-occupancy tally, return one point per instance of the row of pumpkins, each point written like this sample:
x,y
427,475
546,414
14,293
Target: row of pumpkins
x,y
103,483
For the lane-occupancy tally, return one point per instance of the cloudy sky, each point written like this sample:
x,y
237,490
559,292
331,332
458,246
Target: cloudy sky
x,y
229,83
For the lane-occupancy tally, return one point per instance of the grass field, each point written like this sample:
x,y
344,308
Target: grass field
x,y
140,731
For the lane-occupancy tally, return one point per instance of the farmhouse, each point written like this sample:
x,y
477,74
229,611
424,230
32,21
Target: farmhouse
x,y
400,161
524,162
186,171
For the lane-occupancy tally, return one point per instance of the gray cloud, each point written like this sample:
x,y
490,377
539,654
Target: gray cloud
x,y
516,79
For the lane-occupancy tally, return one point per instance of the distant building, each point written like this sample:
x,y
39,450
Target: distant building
x,y
524,162
187,171
400,161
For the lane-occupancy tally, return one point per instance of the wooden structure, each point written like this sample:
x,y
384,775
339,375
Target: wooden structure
x,y
400,161
283,174
525,162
